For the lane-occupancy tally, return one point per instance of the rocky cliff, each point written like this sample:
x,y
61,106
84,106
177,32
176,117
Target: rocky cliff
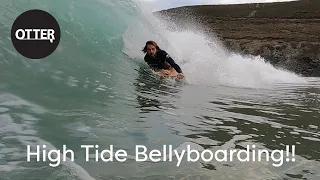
x,y
287,34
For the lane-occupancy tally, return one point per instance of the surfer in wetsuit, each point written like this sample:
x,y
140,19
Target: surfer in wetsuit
x,y
160,60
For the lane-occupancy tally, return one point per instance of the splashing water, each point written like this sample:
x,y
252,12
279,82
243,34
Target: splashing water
x,y
203,59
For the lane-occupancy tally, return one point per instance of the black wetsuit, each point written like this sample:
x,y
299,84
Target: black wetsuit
x,y
162,60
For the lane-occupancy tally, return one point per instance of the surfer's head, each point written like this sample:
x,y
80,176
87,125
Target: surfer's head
x,y
151,48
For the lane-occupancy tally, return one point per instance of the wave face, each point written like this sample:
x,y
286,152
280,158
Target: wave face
x,y
96,89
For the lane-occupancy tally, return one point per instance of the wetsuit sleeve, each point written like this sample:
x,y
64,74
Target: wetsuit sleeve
x,y
172,62
147,60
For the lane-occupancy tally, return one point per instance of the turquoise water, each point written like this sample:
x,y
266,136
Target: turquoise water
x,y
95,89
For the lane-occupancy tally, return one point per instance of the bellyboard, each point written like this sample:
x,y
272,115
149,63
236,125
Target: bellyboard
x,y
171,73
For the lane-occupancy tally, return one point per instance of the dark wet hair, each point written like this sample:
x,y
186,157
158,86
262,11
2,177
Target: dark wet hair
x,y
150,43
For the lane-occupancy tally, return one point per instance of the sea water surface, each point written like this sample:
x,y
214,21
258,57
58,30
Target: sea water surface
x,y
95,89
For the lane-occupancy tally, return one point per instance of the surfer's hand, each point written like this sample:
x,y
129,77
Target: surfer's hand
x,y
180,76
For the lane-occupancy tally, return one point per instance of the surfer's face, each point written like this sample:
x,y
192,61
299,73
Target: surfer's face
x,y
151,50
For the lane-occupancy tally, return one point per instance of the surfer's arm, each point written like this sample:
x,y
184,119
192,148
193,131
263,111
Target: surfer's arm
x,y
171,62
152,66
